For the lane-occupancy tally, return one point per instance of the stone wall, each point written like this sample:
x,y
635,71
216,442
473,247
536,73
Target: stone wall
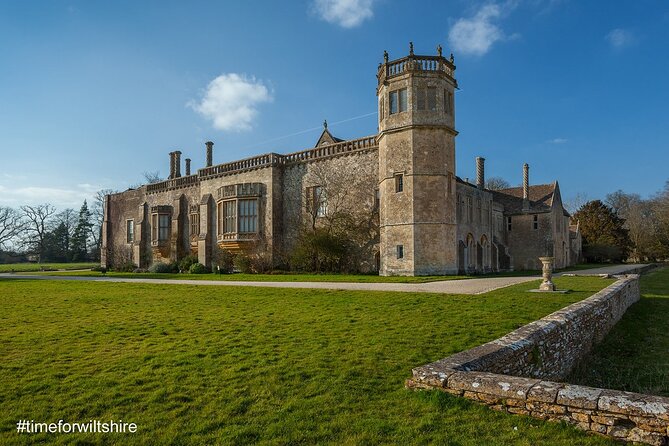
x,y
514,373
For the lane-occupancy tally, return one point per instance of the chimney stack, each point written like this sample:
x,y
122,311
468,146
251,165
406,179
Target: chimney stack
x,y
171,166
177,164
526,187
210,153
187,167
480,172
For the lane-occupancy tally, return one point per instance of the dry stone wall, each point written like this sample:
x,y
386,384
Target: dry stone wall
x,y
517,373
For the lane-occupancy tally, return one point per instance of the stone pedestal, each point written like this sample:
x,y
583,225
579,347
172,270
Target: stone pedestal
x,y
547,273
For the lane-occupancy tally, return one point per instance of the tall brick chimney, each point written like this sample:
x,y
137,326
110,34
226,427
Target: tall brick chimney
x,y
526,187
171,166
210,153
480,172
177,164
187,166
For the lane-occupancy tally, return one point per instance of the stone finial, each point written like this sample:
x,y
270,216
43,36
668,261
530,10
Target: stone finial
x,y
439,50
385,56
187,166
480,172
325,124
452,59
410,48
210,153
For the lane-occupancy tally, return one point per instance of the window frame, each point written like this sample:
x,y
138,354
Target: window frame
x,y
397,101
194,224
399,251
129,233
158,231
399,182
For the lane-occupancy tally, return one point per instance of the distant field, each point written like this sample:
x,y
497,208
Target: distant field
x,y
202,365
635,355
29,267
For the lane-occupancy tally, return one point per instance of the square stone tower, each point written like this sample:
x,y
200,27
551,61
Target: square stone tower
x,y
417,165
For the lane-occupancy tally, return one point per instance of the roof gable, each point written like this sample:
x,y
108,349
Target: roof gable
x,y
327,138
541,198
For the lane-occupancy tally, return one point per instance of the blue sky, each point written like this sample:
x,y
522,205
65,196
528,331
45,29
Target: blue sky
x,y
92,93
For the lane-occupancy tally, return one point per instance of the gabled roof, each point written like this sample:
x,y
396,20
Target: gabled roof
x,y
327,138
541,198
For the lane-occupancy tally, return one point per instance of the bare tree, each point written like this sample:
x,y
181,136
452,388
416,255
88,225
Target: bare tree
x,y
38,223
152,177
338,221
11,224
497,183
576,202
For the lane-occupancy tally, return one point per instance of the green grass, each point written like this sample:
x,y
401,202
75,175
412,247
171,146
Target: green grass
x,y
635,354
296,277
28,267
288,277
238,365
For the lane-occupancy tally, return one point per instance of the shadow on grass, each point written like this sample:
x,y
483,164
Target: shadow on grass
x,y
635,355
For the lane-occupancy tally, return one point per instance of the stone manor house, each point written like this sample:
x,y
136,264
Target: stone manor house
x,y
427,220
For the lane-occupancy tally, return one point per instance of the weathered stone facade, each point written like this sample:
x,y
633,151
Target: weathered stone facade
x,y
404,179
517,373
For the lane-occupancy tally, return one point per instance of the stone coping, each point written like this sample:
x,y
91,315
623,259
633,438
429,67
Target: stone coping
x,y
510,373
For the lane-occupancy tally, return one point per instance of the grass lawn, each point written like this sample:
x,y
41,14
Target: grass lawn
x,y
288,277
635,354
196,365
295,277
29,267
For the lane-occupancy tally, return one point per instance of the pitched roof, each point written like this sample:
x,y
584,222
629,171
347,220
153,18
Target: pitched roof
x,y
327,138
541,198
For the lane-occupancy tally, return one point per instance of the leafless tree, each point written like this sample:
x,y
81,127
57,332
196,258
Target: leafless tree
x,y
38,223
11,225
576,202
497,183
152,177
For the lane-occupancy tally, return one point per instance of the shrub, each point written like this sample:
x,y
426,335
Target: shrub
x,y
126,267
198,268
160,268
252,263
242,264
223,261
187,262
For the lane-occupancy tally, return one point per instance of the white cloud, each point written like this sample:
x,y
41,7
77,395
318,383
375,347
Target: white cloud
x,y
557,141
477,34
620,38
345,13
230,101
61,197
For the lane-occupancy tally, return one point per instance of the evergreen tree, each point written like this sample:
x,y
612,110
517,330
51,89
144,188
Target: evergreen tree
x,y
56,245
604,237
82,232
